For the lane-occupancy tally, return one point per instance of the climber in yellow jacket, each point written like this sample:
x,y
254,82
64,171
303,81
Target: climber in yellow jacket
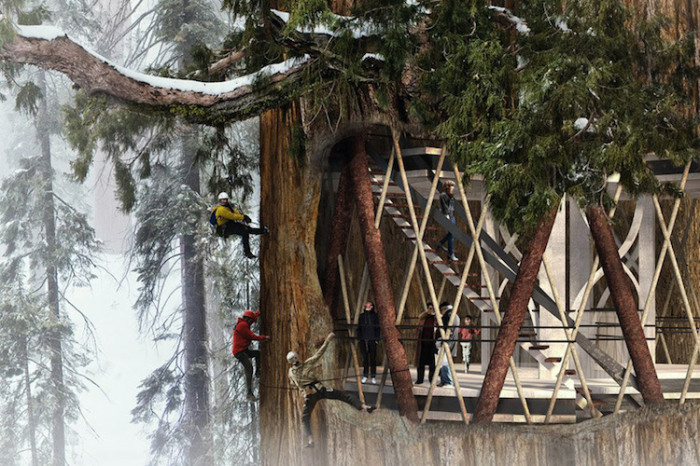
x,y
230,221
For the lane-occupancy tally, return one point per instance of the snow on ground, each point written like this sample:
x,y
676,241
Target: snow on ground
x,y
107,436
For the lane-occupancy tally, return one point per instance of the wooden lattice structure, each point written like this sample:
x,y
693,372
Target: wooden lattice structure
x,y
577,359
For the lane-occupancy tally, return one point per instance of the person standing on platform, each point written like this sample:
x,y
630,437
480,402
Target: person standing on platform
x,y
367,336
426,344
466,336
446,312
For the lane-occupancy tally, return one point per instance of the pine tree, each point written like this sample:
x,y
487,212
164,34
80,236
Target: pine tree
x,y
42,360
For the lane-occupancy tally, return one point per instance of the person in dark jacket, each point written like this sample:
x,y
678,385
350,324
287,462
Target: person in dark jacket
x,y
230,221
446,311
426,343
243,336
367,336
447,207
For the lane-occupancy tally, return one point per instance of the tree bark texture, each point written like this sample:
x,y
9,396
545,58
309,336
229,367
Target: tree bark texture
x,y
512,321
340,226
381,283
197,416
625,305
58,431
291,302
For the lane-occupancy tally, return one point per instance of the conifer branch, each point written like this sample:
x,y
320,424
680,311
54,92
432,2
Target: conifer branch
x,y
98,78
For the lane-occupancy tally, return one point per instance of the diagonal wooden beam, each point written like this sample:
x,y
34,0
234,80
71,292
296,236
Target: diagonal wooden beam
x,y
431,288
657,271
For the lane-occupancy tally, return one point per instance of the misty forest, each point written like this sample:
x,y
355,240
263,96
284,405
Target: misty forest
x,y
237,231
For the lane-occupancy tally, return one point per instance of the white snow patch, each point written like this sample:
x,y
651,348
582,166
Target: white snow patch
x,y
520,24
374,56
40,32
364,29
580,123
561,24
209,88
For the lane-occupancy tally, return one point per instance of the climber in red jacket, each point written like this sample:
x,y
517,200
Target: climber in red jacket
x,y
242,338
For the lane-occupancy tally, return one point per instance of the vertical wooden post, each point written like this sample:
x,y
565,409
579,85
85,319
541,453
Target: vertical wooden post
x,y
381,284
621,293
512,321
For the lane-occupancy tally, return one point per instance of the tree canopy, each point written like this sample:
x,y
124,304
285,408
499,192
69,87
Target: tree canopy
x,y
546,100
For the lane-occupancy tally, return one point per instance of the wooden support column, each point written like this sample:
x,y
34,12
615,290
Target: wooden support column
x,y
513,319
340,225
622,296
381,284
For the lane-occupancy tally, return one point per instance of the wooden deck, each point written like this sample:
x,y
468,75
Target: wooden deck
x,y
444,406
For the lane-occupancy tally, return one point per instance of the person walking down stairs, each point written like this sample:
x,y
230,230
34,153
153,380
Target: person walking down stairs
x,y
447,207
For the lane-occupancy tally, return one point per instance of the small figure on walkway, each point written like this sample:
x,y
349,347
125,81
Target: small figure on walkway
x,y
447,207
303,375
230,221
466,335
450,328
367,337
243,336
426,343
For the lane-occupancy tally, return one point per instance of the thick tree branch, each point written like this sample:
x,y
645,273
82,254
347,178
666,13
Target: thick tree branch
x,y
233,100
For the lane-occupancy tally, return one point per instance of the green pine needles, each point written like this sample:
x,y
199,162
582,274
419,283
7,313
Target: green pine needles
x,y
575,92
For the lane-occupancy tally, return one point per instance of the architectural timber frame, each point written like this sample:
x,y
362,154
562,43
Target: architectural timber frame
x,y
492,262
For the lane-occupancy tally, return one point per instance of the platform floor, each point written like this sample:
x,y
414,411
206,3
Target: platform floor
x,y
538,392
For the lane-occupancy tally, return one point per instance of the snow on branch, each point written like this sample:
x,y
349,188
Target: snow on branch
x,y
361,30
49,48
519,23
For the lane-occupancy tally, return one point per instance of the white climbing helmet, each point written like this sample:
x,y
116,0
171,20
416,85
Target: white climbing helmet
x,y
292,357
223,196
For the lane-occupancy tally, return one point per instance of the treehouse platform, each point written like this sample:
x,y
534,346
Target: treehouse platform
x,y
538,393
571,360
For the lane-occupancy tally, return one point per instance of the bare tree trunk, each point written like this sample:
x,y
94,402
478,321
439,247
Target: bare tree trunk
x,y
31,420
381,283
194,332
625,305
54,338
512,321
340,226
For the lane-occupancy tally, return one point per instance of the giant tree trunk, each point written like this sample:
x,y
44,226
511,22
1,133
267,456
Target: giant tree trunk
x,y
381,283
625,305
58,430
194,333
512,321
291,302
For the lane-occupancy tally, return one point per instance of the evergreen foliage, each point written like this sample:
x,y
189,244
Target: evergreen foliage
x,y
584,94
26,319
